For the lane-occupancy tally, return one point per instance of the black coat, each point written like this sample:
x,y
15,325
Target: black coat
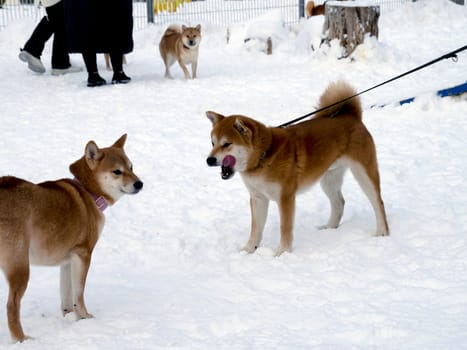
x,y
101,26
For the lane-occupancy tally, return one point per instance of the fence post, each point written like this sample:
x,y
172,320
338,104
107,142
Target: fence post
x,y
150,10
301,8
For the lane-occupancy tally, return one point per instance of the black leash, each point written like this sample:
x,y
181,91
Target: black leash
x,y
451,54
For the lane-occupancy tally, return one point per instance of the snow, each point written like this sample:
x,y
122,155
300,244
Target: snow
x,y
168,272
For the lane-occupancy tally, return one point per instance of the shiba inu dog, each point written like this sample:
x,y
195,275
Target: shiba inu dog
x,y
312,10
277,163
58,223
180,44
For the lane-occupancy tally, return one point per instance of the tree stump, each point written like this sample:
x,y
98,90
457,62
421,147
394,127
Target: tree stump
x,y
349,21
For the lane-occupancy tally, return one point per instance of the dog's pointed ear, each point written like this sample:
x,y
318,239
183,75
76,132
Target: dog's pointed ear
x,y
214,117
92,154
120,142
183,27
198,27
241,127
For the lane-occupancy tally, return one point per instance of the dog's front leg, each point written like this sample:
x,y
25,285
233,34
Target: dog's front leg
x,y
66,288
79,270
184,68
287,214
259,211
194,67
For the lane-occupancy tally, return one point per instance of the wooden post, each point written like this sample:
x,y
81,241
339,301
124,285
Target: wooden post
x,y
349,21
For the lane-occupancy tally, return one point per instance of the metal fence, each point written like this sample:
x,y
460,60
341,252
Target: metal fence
x,y
162,12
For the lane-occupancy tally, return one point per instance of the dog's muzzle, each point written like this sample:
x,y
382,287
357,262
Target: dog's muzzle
x,y
138,186
227,170
212,161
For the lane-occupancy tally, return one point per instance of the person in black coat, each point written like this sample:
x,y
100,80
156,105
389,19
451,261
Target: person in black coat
x,y
100,26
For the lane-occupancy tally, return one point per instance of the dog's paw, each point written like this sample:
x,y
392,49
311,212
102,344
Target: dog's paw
x,y
86,315
21,339
82,313
327,227
250,248
282,249
66,311
381,233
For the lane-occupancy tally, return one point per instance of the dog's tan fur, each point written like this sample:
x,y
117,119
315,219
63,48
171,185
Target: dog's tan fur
x,y
180,44
277,163
108,65
312,10
58,223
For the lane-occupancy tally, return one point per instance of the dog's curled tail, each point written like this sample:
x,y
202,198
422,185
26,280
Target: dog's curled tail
x,y
335,92
173,29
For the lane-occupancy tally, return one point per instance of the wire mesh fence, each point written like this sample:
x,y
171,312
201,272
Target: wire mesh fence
x,y
222,12
162,12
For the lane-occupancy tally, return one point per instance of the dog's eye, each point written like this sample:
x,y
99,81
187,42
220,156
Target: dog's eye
x,y
225,145
117,172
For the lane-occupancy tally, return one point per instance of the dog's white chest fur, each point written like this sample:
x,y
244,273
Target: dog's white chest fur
x,y
257,185
189,55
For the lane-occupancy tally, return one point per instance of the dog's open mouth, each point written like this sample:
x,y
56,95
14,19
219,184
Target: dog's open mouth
x,y
227,170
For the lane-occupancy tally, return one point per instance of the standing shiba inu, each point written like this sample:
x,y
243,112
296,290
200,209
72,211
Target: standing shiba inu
x,y
58,223
180,44
278,163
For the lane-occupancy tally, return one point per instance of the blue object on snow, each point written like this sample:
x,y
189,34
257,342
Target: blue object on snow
x,y
452,91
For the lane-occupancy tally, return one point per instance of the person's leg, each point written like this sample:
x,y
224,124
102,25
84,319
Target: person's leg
x,y
32,50
56,15
119,77
117,62
90,61
40,35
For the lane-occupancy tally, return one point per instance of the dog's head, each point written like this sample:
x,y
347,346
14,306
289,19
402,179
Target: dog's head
x,y
237,143
107,171
191,36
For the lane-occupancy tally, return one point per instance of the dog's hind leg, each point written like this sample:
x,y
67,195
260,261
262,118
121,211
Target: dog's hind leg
x,y
168,62
287,215
17,276
66,291
259,211
367,177
331,183
79,269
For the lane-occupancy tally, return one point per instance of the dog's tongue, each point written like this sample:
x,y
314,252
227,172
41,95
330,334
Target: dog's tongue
x,y
227,167
228,161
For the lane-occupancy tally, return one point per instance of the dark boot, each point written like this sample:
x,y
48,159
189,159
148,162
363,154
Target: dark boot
x,y
94,79
120,78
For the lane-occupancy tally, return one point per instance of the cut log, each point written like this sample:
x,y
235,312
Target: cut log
x,y
349,22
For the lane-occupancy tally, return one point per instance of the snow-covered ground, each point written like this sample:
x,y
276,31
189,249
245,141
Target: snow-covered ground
x,y
167,272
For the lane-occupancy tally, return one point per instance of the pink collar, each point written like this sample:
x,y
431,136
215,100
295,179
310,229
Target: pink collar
x,y
100,201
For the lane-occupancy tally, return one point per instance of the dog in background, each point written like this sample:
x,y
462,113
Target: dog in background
x,y
278,163
181,44
58,223
107,61
312,10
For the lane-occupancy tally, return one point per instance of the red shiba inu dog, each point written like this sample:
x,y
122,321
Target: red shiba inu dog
x,y
58,223
277,163
180,44
312,10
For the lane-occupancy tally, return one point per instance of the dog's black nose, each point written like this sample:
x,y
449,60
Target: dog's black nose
x,y
138,185
212,161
